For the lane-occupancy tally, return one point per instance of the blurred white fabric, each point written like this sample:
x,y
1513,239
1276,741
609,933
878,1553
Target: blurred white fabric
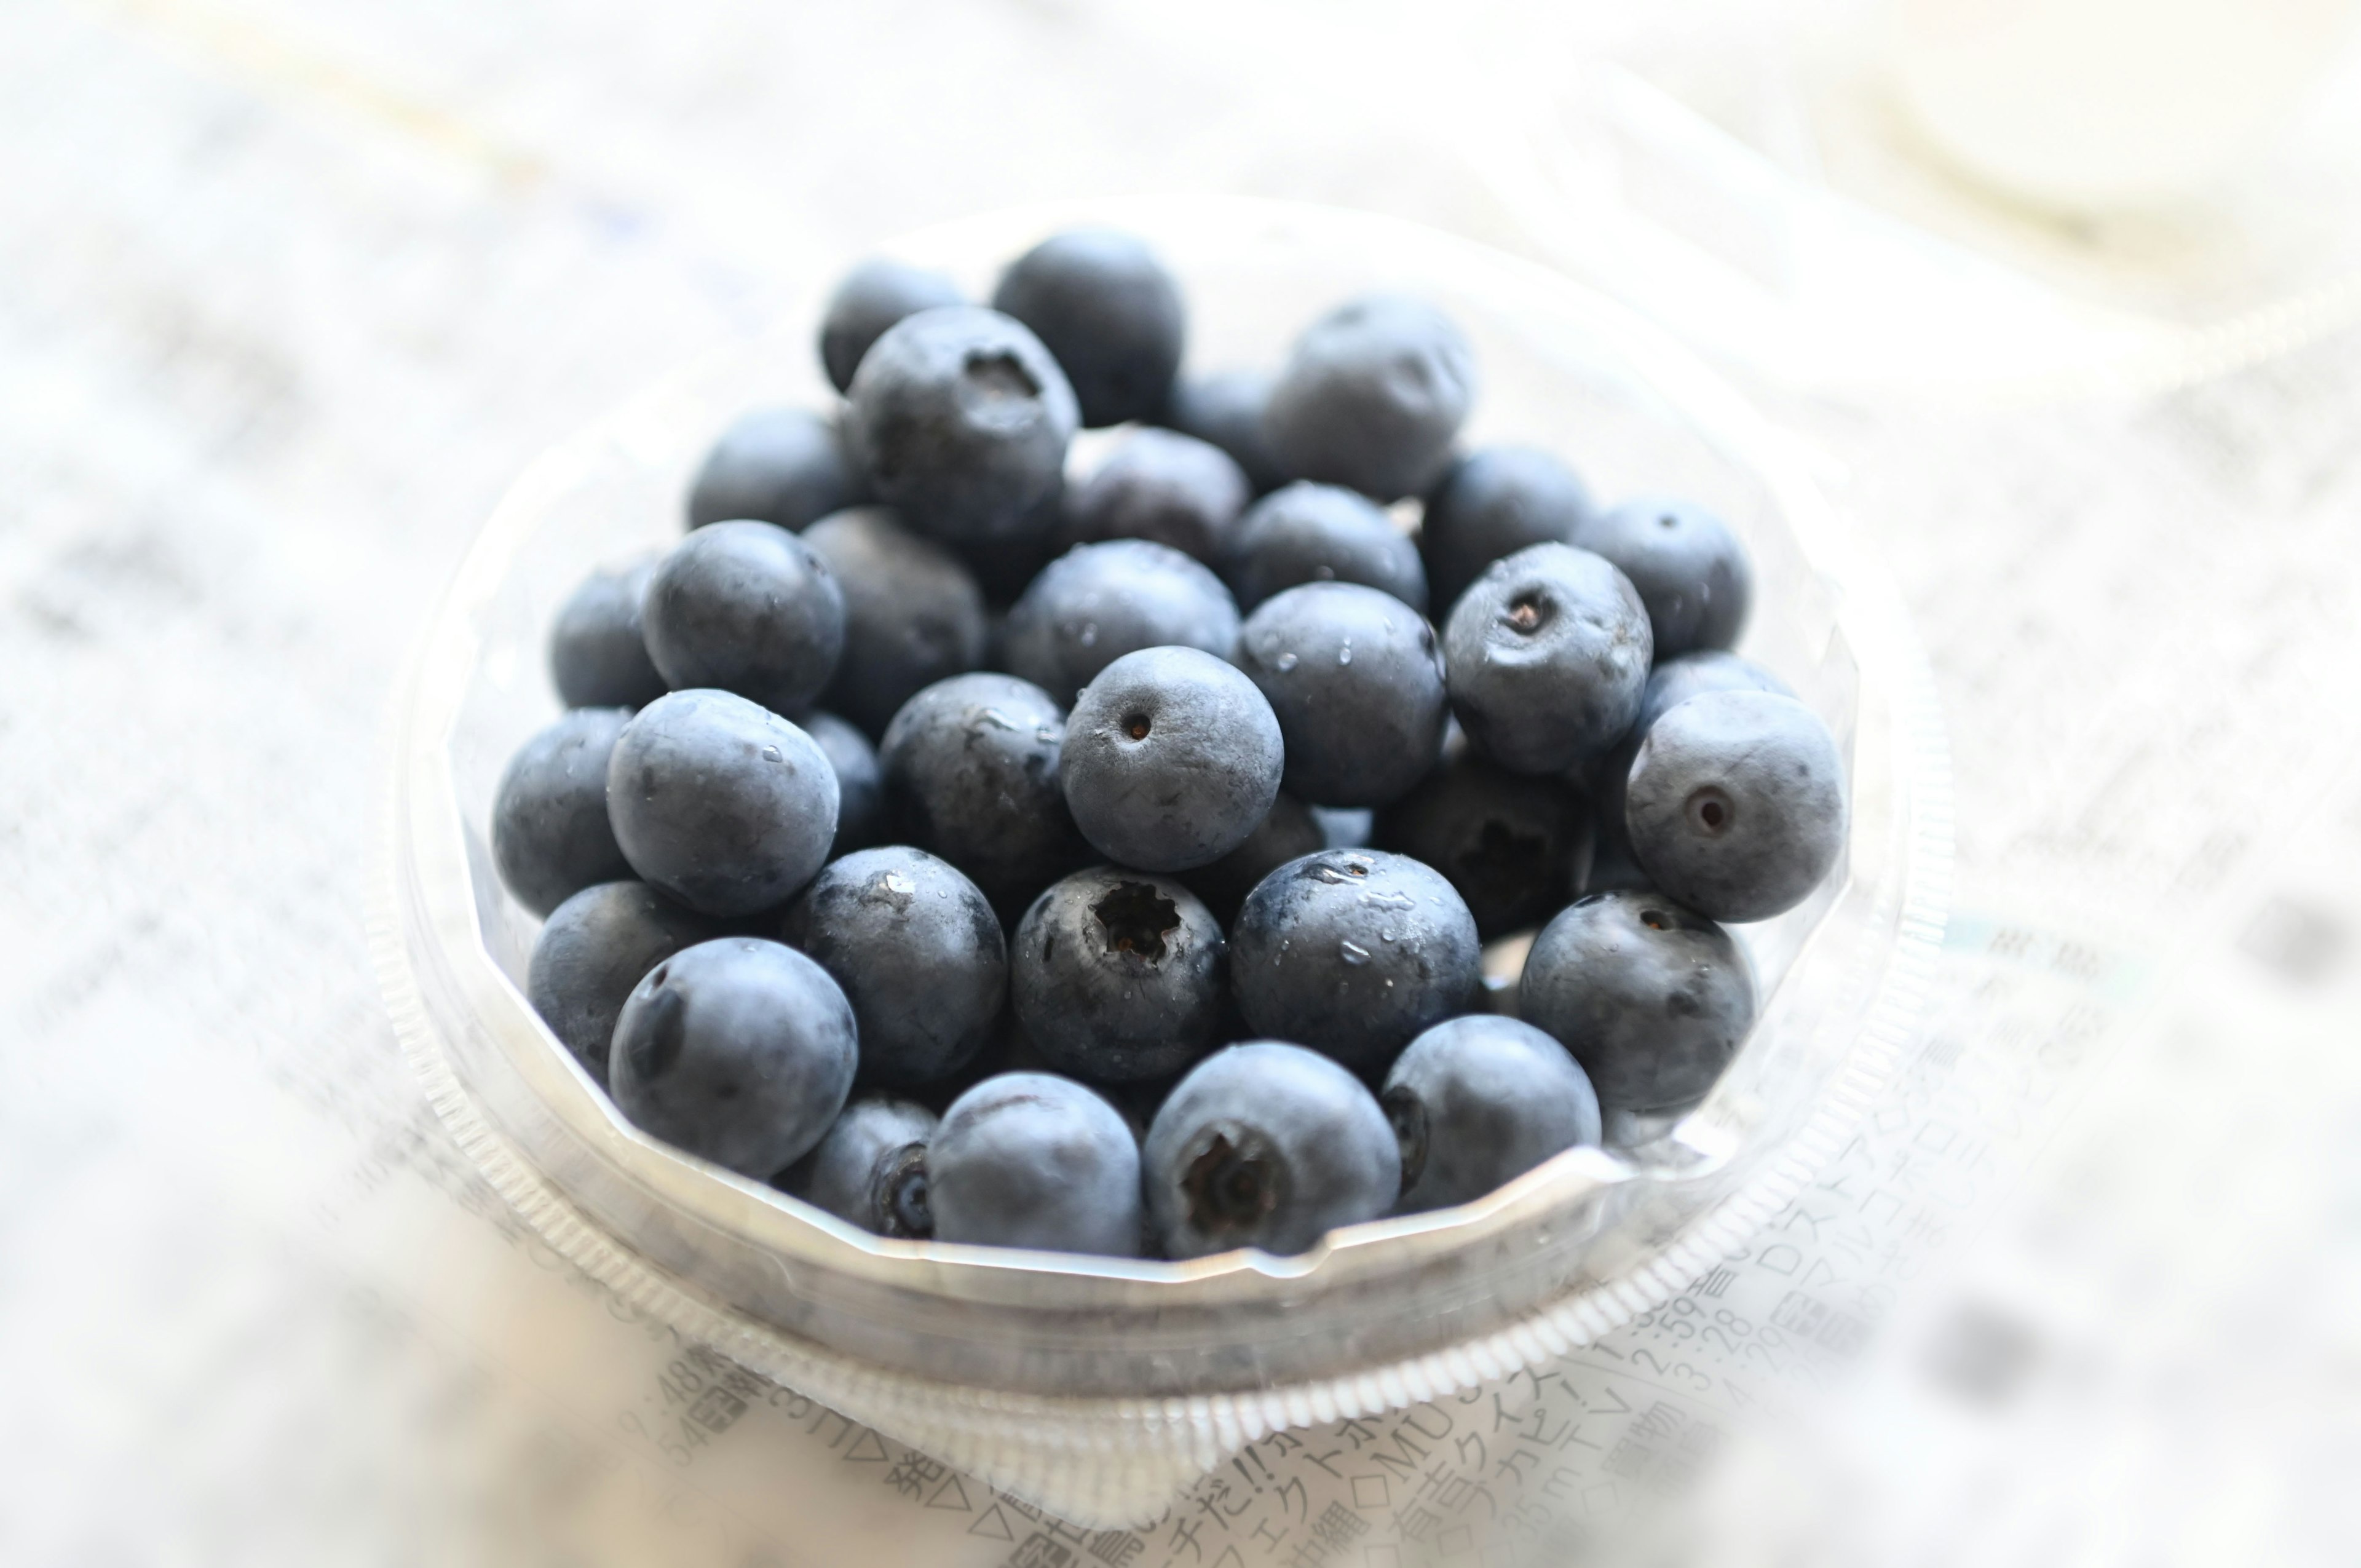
x,y
288,293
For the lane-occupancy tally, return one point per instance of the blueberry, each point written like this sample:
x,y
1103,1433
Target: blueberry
x,y
1226,409
1688,568
1109,311
1354,953
874,297
1172,489
1372,396
1517,848
870,1169
597,654
748,608
919,951
1651,999
1357,682
1030,1160
595,948
738,1050
1005,567
1267,1146
550,833
1736,803
1547,654
1672,682
972,775
1288,829
1117,976
1479,1101
1321,533
860,787
912,616
1172,759
962,419
780,466
1098,602
1495,502
720,803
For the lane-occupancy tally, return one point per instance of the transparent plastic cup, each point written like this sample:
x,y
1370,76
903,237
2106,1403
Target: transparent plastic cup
x,y
1098,1387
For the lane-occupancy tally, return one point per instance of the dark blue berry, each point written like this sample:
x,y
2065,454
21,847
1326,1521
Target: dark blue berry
x,y
1477,1102
1172,758
1688,568
1030,1160
780,466
720,802
1098,602
1267,1146
1321,533
1547,653
1109,311
1357,683
1159,485
1226,409
1671,682
1517,847
913,615
962,418
872,297
597,653
1354,953
1372,396
919,951
551,837
1117,976
747,607
595,948
870,1169
738,1050
1736,804
860,786
1287,831
1495,502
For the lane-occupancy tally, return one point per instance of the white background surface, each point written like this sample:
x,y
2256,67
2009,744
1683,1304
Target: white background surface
x,y
287,295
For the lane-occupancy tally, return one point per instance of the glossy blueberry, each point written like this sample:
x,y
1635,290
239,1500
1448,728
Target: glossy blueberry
x,y
720,803
1098,602
780,466
1267,1146
1288,829
860,787
595,948
962,418
747,607
1321,533
1031,1159
1172,759
1169,487
1688,568
913,615
1547,654
597,654
1651,999
738,1050
1226,409
972,775
919,951
874,297
1005,566
1495,502
1357,683
1372,396
551,837
1516,847
1736,803
1118,976
1109,311
1479,1101
870,1169
1354,953
1673,682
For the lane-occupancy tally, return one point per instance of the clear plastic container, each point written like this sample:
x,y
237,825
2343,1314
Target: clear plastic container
x,y
1099,1387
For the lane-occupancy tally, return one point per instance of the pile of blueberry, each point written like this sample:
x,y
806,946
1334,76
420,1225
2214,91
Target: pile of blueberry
x,y
923,829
